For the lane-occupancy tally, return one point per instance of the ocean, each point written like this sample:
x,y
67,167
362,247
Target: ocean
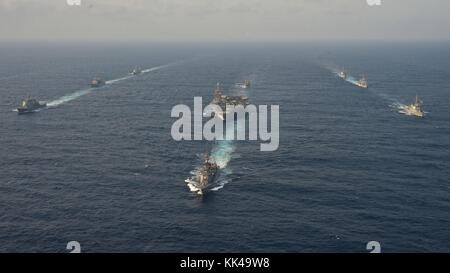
x,y
99,166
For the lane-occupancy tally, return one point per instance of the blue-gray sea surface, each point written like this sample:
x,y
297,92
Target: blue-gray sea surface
x,y
100,166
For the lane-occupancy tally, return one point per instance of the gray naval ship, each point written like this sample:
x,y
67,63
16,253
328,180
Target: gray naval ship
x,y
342,74
97,82
362,82
136,71
30,105
414,109
245,85
222,100
205,176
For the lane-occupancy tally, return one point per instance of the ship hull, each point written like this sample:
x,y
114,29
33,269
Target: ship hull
x,y
203,189
22,111
362,86
242,85
97,85
415,114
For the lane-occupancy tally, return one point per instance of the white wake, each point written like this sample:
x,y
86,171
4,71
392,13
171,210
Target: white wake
x,y
82,92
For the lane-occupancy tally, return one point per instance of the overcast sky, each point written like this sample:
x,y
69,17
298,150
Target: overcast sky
x,y
193,20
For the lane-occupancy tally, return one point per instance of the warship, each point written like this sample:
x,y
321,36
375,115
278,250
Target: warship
x,y
414,109
136,71
342,74
246,84
205,175
362,82
97,82
222,100
30,105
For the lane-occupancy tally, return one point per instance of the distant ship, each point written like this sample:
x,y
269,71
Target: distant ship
x,y
414,109
342,74
97,82
30,105
362,83
205,176
223,100
246,84
136,71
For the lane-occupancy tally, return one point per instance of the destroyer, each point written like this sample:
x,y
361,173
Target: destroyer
x,y
136,71
362,82
205,176
245,85
414,109
342,74
97,82
30,105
